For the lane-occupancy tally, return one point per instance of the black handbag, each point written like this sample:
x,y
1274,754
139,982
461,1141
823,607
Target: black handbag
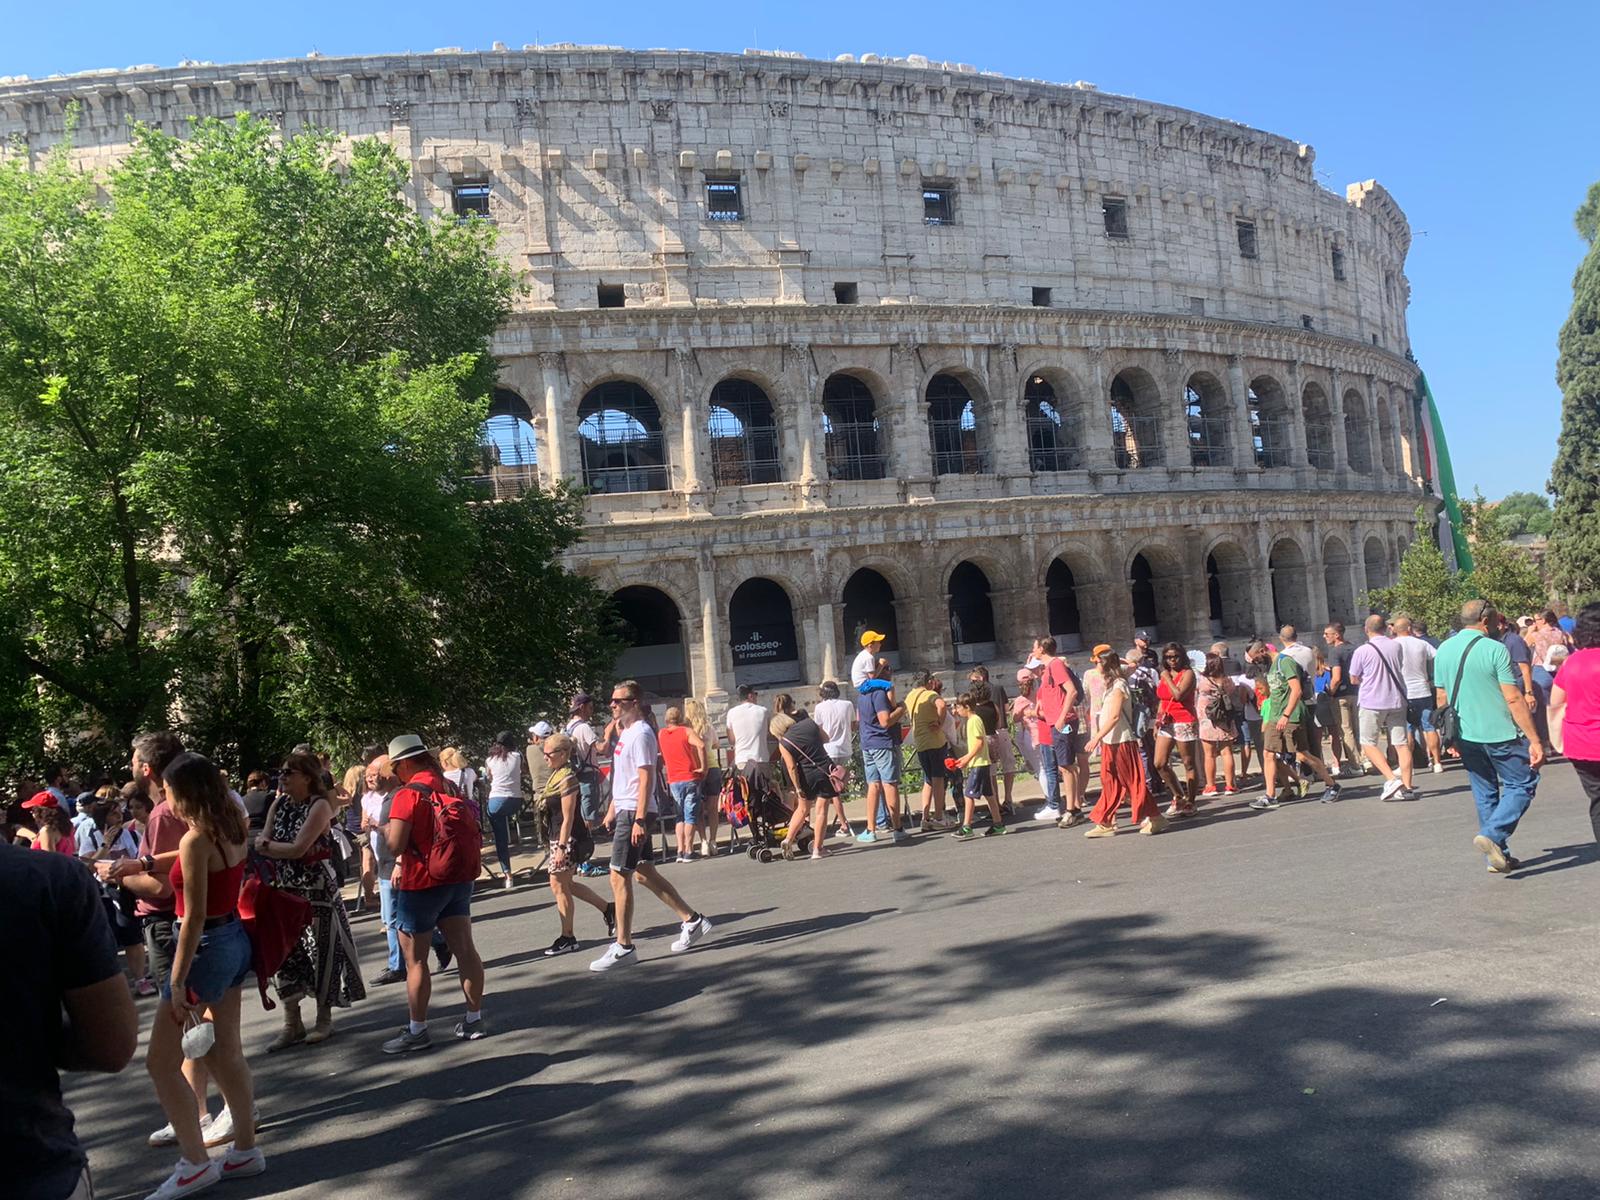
x,y
1448,720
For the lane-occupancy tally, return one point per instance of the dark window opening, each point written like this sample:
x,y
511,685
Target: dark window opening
x,y
1141,583
1197,306
1041,297
1052,444
850,430
1338,264
953,428
938,205
609,295
1135,435
654,633
1061,602
761,633
470,198
1115,215
869,604
724,200
744,435
971,614
845,293
1374,339
1247,238
1205,410
1305,321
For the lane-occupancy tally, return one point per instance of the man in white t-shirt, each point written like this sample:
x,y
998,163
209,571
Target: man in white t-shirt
x,y
866,663
1304,656
747,733
631,817
836,718
1416,672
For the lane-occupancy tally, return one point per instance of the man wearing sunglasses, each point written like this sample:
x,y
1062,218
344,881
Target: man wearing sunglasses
x,y
631,816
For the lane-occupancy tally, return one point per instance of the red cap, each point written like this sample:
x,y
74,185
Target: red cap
x,y
40,800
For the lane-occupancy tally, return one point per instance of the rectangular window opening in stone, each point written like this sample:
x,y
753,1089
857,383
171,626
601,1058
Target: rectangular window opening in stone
x,y
1305,321
1115,214
1338,264
845,293
1041,297
1197,306
609,295
724,198
1247,238
1374,339
470,198
938,205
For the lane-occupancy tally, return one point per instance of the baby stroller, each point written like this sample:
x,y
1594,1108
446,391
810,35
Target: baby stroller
x,y
759,805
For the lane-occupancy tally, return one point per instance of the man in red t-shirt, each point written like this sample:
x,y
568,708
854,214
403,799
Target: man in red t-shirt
x,y
1059,737
421,903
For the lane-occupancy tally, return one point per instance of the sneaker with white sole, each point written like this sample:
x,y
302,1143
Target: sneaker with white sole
x,y
1332,794
694,931
1264,803
472,1031
187,1178
616,955
1048,813
1438,768
241,1164
405,1041
219,1130
1392,789
168,1136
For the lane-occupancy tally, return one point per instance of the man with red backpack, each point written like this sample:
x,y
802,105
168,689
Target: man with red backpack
x,y
434,834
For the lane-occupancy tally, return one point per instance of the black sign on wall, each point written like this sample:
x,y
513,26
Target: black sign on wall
x,y
761,624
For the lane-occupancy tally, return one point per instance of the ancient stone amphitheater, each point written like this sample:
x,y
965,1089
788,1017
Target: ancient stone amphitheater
x,y
889,343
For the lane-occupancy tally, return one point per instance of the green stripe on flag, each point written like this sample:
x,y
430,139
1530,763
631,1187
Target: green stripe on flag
x,y
1445,478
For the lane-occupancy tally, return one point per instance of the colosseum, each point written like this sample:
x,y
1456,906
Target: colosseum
x,y
889,343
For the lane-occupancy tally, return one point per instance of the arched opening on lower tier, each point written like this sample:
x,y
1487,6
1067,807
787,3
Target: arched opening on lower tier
x,y
653,627
761,634
972,630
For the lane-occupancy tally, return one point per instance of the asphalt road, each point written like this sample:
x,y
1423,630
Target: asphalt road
x,y
1325,1001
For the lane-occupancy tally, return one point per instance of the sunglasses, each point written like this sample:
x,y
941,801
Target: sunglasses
x,y
623,699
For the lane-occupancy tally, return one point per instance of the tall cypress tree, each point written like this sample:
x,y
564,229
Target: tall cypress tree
x,y
1575,478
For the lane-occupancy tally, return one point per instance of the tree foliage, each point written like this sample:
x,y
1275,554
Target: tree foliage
x,y
244,384
1502,573
1524,512
1426,589
1575,477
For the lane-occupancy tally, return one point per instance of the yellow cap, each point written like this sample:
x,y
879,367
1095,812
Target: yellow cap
x,y
871,636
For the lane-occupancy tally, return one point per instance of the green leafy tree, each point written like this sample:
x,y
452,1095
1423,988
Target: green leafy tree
x,y
1426,590
243,383
1575,477
1524,512
1501,573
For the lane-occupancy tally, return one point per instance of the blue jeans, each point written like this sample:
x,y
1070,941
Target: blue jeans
x,y
386,916
501,810
687,795
1049,777
1502,784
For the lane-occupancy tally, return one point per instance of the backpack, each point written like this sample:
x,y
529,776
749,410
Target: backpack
x,y
456,853
583,767
1144,696
1222,710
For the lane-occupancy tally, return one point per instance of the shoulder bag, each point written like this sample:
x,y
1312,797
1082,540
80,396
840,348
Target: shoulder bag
x,y
1447,719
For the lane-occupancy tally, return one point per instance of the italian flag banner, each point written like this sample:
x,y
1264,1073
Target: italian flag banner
x,y
1443,480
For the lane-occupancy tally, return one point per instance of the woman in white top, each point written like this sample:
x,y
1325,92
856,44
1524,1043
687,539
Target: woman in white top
x,y
504,768
1121,771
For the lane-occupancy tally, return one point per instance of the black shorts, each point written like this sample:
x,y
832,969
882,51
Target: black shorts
x,y
626,854
126,928
159,943
932,763
818,784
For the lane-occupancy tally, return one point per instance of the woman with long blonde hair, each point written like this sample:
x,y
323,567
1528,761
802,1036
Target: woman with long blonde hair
x,y
694,715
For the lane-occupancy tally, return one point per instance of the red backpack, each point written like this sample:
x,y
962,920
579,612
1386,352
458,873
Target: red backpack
x,y
456,852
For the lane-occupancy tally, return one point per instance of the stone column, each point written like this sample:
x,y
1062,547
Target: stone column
x,y
1174,424
1096,426
801,376
556,463
1239,393
1266,617
913,454
1375,436
1395,417
1341,447
693,434
1296,414
827,643
710,681
1358,570
1317,582
1008,443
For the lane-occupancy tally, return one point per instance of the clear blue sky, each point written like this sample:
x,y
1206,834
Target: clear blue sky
x,y
1478,117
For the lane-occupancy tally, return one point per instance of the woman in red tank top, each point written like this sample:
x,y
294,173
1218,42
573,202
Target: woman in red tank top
x,y
209,965
1177,725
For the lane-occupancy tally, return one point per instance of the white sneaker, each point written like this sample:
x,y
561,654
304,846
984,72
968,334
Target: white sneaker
x,y
218,1131
241,1164
1438,768
168,1136
1335,771
188,1177
1048,813
1391,789
615,956
693,931
507,885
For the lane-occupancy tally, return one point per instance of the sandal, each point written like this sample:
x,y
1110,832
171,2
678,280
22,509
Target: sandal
x,y
788,850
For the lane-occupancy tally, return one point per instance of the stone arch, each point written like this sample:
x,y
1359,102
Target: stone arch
x,y
1270,423
655,653
868,602
1291,591
1153,574
508,447
852,426
1230,604
1357,432
1053,416
762,634
959,423
1336,564
620,438
1135,419
1318,417
1063,614
1205,411
742,433
973,633
1375,558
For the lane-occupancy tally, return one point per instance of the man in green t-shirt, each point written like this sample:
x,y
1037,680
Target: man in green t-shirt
x,y
1499,745
1283,725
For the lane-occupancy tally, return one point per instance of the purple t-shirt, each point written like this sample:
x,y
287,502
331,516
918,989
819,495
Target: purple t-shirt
x,y
1380,685
1579,678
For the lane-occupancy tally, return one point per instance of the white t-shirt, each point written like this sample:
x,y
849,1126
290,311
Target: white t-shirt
x,y
1304,656
747,723
505,775
862,668
636,749
583,740
837,719
466,780
1416,666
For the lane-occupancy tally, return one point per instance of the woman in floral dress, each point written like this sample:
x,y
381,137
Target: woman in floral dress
x,y
323,966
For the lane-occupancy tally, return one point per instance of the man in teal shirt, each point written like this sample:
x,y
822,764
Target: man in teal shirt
x,y
1498,744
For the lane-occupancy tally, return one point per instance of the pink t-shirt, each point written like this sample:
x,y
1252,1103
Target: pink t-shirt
x,y
1579,678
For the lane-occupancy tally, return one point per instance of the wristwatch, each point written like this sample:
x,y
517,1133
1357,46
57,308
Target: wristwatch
x,y
147,863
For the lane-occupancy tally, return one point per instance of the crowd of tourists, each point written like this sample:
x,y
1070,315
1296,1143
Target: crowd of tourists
x,y
200,887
